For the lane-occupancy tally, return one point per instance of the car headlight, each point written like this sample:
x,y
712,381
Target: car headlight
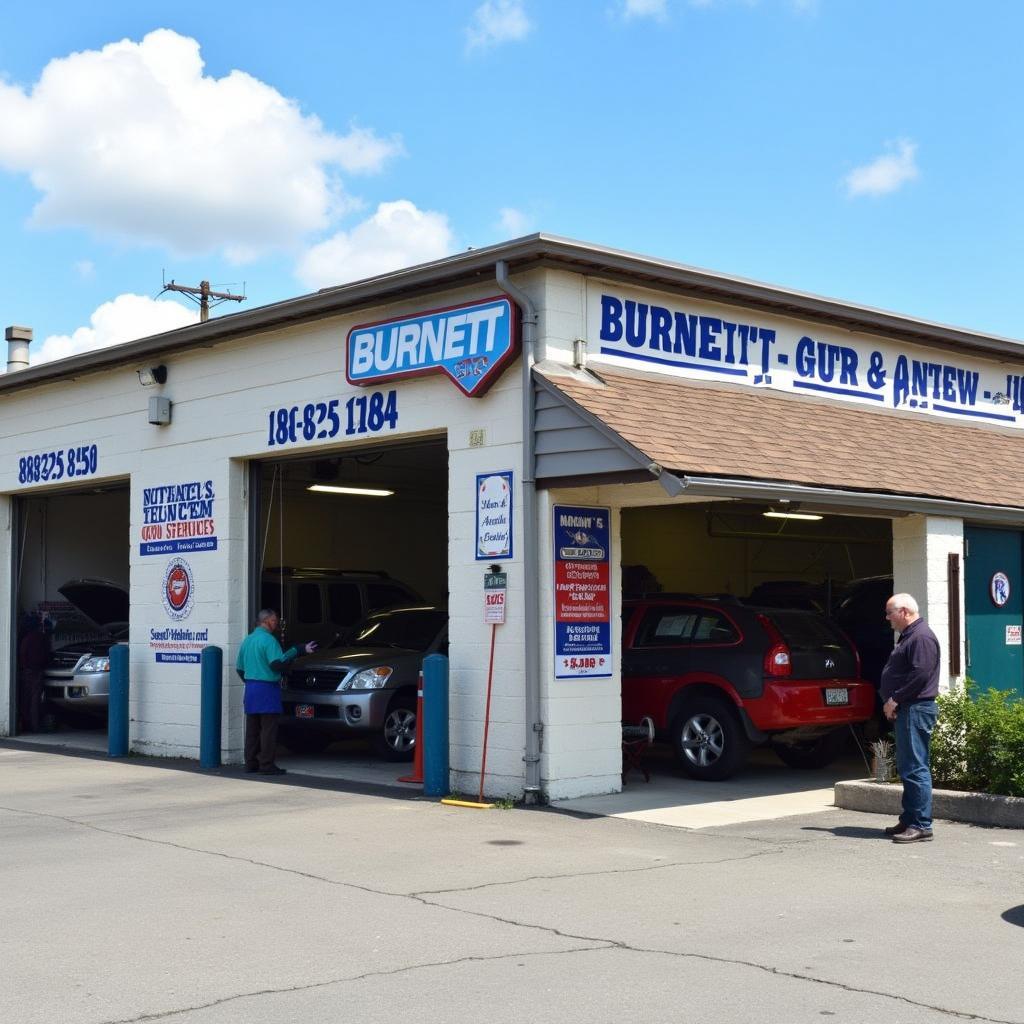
x,y
95,665
370,678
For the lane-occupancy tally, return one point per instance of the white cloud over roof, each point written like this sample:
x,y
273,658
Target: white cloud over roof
x,y
135,141
886,173
124,318
397,235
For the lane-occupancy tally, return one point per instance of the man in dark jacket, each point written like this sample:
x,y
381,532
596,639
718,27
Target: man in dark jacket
x,y
909,686
33,656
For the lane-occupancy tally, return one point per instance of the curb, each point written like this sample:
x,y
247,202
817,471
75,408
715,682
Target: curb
x,y
948,804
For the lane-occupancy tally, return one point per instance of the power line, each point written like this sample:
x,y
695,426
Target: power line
x,y
201,295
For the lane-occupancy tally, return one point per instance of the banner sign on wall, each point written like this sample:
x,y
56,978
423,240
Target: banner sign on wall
x,y
493,516
470,344
582,593
178,644
700,341
178,517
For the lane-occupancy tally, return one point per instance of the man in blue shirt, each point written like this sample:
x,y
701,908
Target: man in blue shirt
x,y
260,663
908,688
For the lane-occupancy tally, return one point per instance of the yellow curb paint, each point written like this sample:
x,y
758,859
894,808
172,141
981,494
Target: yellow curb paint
x,y
467,803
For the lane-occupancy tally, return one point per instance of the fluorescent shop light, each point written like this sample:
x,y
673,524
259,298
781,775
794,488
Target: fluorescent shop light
x,y
367,492
792,515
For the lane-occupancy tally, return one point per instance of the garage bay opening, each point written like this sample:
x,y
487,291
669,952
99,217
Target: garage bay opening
x,y
351,549
755,633
71,602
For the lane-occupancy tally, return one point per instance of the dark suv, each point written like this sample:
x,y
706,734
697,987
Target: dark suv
x,y
717,677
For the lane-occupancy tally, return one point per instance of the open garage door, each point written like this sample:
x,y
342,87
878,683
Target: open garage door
x,y
749,626
351,549
71,594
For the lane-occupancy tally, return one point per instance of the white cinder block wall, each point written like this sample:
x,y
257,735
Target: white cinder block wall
x,y
222,398
921,546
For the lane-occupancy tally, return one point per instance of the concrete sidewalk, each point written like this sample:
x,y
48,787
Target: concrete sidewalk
x,y
136,892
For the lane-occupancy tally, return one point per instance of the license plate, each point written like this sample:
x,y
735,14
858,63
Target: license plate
x,y
837,695
306,711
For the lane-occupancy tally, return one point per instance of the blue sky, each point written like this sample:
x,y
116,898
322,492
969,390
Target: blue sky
x,y
868,151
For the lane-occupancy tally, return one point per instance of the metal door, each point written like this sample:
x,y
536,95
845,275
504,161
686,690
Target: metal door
x,y
994,600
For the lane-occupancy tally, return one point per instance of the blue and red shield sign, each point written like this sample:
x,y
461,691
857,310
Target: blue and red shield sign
x,y
471,344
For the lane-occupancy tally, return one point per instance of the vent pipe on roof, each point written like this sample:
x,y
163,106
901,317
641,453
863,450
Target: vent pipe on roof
x,y
18,341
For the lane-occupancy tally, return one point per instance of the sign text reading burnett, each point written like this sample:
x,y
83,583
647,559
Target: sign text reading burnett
x,y
695,344
471,344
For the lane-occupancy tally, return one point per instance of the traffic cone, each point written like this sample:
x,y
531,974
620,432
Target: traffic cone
x,y
417,752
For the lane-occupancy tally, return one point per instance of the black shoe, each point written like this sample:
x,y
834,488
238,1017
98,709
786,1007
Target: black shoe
x,y
249,769
914,835
896,830
273,770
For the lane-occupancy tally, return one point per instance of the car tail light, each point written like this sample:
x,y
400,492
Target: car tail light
x,y
777,661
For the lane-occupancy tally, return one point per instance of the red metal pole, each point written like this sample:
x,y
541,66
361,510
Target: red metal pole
x,y
487,714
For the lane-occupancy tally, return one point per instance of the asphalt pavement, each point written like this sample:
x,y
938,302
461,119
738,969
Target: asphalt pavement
x,y
141,891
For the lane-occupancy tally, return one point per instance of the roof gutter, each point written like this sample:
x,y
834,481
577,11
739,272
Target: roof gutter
x,y
531,567
825,497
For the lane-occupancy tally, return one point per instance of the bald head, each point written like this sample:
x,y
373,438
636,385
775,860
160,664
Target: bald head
x,y
901,610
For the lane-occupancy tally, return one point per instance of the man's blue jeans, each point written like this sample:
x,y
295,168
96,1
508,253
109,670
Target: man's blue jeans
x,y
914,725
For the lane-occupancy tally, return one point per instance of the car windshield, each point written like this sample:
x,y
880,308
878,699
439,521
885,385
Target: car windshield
x,y
411,628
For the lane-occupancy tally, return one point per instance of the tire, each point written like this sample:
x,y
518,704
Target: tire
x,y
708,739
396,738
819,753
308,741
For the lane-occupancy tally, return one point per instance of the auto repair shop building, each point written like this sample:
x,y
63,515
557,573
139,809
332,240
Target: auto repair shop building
x,y
644,417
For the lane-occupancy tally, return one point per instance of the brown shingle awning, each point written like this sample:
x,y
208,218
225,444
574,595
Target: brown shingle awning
x,y
719,430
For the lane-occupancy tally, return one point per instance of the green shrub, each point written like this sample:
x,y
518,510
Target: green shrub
x,y
978,742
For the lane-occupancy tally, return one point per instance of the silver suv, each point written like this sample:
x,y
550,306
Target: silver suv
x,y
325,605
78,676
367,687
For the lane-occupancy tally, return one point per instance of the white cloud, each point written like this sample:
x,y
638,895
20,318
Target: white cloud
x,y
135,141
513,222
397,235
497,21
885,173
657,9
122,319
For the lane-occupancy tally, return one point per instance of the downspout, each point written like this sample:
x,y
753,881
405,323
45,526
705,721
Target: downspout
x,y
531,568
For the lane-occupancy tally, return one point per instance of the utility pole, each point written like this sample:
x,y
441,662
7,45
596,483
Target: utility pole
x,y
202,296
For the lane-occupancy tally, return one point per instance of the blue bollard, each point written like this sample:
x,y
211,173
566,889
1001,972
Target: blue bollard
x,y
211,671
435,725
117,707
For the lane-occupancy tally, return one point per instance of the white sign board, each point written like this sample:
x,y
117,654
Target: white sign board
x,y
495,596
494,516
1013,636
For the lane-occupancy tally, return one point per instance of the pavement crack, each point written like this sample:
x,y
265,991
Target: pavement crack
x,y
591,874
594,941
347,979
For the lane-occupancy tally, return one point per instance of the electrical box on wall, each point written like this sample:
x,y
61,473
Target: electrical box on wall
x,y
159,410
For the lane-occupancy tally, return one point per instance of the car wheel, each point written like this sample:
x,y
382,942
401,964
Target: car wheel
x,y
307,742
396,739
819,753
708,739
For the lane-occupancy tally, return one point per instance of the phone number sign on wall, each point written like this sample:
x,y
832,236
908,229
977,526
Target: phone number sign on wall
x,y
322,421
582,592
59,464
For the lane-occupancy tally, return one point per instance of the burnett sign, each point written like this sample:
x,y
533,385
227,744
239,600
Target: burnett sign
x,y
471,344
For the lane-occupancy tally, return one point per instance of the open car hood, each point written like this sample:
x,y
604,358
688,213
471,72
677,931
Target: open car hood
x,y
103,603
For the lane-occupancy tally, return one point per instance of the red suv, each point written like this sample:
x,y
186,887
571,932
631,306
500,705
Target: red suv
x,y
718,677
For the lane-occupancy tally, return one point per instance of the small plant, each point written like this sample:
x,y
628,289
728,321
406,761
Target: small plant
x,y
884,751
